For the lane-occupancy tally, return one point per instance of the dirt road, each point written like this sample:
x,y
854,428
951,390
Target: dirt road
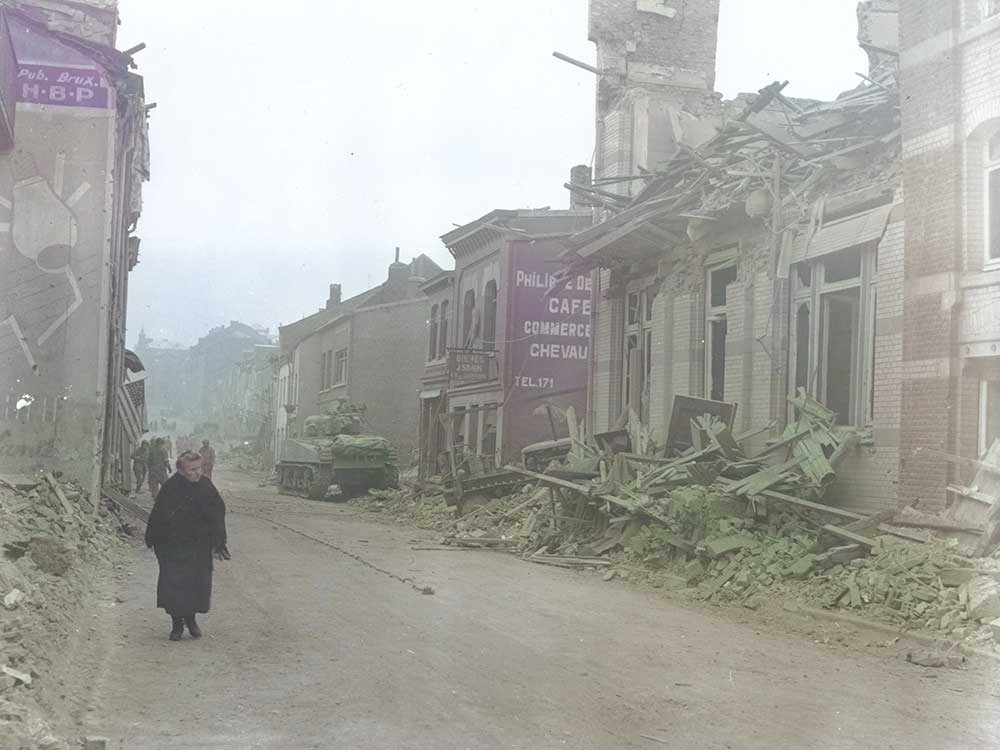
x,y
309,647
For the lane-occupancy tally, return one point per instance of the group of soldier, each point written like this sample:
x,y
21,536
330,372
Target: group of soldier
x,y
151,462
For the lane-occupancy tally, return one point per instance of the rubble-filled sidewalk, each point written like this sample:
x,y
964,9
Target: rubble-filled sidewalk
x,y
724,526
53,549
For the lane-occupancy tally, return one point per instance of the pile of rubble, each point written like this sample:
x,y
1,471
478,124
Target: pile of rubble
x,y
52,546
728,524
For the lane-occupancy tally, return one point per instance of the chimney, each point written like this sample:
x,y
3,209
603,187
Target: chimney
x,y
580,175
334,299
398,278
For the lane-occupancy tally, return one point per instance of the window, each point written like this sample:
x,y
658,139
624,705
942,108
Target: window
x,y
833,314
468,314
488,441
432,346
490,315
989,414
993,200
443,331
716,328
637,363
340,367
989,8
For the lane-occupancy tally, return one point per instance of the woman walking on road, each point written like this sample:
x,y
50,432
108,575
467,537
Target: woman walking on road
x,y
186,528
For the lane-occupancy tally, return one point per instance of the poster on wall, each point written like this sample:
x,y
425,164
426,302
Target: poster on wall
x,y
549,341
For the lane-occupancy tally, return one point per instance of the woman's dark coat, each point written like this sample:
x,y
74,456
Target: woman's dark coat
x,y
187,524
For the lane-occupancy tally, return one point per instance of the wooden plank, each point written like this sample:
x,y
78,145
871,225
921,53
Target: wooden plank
x,y
549,480
813,506
972,494
60,495
850,536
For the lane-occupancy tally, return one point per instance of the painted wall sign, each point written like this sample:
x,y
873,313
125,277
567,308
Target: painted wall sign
x,y
67,87
550,341
548,350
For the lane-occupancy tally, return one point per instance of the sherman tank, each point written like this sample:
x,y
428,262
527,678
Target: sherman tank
x,y
333,450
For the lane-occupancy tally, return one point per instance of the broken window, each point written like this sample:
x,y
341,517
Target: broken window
x,y
803,332
832,356
432,346
716,328
488,440
989,414
340,367
637,362
443,331
324,372
490,315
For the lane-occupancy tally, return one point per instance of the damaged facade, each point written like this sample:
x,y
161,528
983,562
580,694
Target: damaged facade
x,y
748,249
502,339
368,349
73,132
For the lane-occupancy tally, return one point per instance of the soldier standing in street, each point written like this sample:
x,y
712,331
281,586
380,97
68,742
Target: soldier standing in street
x,y
186,529
158,466
140,459
207,453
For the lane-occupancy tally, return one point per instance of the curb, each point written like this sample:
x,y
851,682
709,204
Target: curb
x,y
930,640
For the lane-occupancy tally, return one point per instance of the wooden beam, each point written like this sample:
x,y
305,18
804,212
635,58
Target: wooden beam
x,y
812,506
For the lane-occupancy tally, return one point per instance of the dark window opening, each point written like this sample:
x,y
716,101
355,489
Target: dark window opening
x,y
841,313
432,347
650,296
490,315
802,336
468,312
843,265
443,331
631,345
633,308
804,271
717,361
720,279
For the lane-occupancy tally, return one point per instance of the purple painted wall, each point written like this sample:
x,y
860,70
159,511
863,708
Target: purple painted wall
x,y
549,343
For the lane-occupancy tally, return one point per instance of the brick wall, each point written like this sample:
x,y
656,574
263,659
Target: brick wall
x,y
932,177
868,477
688,40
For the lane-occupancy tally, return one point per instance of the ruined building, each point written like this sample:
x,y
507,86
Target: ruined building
x,y
73,156
748,249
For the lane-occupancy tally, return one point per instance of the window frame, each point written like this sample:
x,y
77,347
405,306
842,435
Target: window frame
x,y
720,260
815,296
991,165
489,324
339,362
442,351
432,334
638,328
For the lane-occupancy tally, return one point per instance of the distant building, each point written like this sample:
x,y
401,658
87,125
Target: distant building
x,y
368,349
212,363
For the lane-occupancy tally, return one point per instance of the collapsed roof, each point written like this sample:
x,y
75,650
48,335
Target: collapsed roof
x,y
771,156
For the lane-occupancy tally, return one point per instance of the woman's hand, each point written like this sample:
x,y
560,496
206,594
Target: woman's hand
x,y
222,553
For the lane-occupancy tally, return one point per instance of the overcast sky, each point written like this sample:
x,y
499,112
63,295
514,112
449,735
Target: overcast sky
x,y
297,143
